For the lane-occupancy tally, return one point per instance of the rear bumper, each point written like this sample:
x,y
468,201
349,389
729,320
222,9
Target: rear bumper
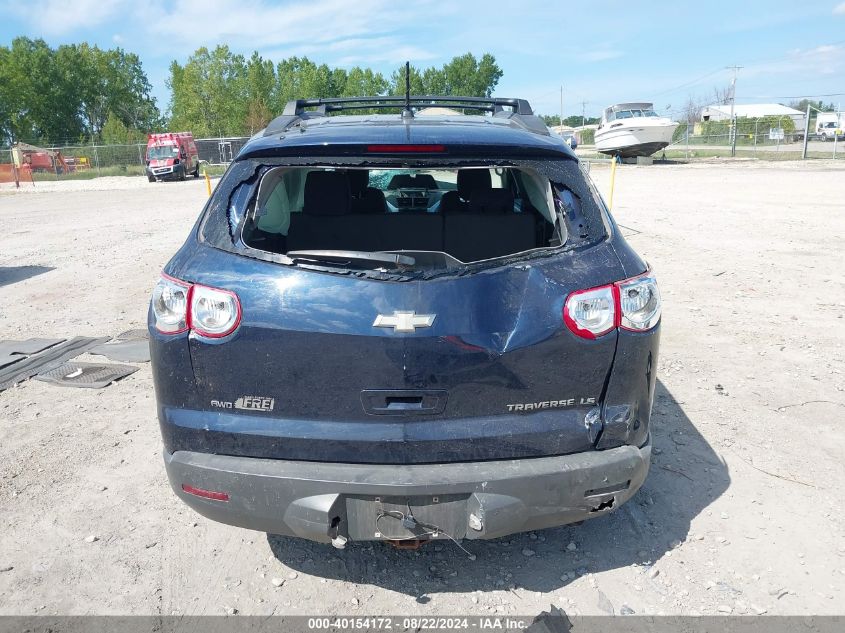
x,y
476,500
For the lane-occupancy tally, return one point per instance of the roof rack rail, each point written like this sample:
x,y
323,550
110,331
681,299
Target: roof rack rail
x,y
335,104
518,110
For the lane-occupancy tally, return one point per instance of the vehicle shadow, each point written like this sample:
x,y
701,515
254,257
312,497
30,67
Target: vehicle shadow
x,y
686,476
13,274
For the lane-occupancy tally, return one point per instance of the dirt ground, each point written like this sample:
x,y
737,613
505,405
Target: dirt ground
x,y
742,511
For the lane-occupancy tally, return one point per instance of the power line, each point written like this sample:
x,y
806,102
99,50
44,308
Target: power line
x,y
831,94
792,56
689,83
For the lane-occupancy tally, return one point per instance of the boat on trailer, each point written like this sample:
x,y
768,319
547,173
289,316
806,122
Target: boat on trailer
x,y
633,129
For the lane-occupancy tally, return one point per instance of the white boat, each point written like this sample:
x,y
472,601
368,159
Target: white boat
x,y
633,129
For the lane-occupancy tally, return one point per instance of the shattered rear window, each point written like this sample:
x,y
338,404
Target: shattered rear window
x,y
234,201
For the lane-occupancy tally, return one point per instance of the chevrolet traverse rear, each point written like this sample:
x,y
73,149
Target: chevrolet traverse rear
x,y
405,327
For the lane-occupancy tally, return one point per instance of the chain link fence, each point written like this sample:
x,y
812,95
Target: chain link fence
x,y
762,139
767,138
751,139
77,161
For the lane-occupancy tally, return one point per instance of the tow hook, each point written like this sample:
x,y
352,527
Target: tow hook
x,y
413,543
339,541
475,523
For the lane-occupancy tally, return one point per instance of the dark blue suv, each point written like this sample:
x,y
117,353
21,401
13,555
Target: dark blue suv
x,y
405,326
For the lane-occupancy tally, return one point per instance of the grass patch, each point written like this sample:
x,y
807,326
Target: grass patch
x,y
115,170
88,174
741,152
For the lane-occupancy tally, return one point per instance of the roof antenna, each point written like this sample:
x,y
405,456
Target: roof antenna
x,y
407,113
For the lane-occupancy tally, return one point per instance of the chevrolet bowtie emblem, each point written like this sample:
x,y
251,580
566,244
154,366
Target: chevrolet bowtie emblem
x,y
404,321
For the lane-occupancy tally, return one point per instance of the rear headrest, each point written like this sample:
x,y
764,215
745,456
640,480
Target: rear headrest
x,y
400,181
470,180
424,181
327,193
491,201
359,180
412,181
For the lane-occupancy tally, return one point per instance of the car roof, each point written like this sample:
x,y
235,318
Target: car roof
x,y
351,134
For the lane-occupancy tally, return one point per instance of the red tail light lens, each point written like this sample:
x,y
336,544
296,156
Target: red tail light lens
x,y
632,304
590,313
208,312
214,313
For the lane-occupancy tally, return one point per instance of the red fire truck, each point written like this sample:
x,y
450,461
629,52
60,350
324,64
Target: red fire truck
x,y
171,155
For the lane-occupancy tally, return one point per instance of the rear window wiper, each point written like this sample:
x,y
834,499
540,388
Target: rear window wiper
x,y
352,257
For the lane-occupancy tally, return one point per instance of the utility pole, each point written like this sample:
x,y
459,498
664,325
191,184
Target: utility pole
x,y
583,110
561,107
733,102
806,133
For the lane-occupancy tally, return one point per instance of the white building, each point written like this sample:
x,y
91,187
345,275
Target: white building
x,y
753,111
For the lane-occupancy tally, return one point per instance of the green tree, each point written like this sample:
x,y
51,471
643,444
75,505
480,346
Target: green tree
x,y
419,81
363,82
814,105
39,101
573,120
108,82
219,93
463,76
260,80
116,132
209,93
64,94
300,78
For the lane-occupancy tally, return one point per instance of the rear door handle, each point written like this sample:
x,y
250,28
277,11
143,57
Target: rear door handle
x,y
403,401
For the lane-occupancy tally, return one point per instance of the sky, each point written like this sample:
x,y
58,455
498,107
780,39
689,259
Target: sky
x,y
600,52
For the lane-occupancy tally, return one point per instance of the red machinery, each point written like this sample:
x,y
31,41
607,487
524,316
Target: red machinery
x,y
35,159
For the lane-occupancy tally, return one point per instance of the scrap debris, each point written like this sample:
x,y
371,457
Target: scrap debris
x,y
89,375
48,359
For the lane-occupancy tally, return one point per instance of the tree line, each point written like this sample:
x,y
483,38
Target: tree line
x,y
78,93
573,120
71,92
220,93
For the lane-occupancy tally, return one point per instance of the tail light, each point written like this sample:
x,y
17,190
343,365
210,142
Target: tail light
x,y
208,312
214,313
591,313
170,305
639,302
632,304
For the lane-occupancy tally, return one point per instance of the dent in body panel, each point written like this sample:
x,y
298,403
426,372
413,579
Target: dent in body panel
x,y
630,390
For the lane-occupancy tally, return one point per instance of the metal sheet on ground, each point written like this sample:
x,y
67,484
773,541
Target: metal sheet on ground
x,y
87,375
49,358
14,351
130,351
135,334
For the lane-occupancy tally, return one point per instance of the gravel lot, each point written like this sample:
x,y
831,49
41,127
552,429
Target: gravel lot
x,y
742,511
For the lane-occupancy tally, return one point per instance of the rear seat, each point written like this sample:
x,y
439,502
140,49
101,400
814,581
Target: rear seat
x,y
327,222
489,227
